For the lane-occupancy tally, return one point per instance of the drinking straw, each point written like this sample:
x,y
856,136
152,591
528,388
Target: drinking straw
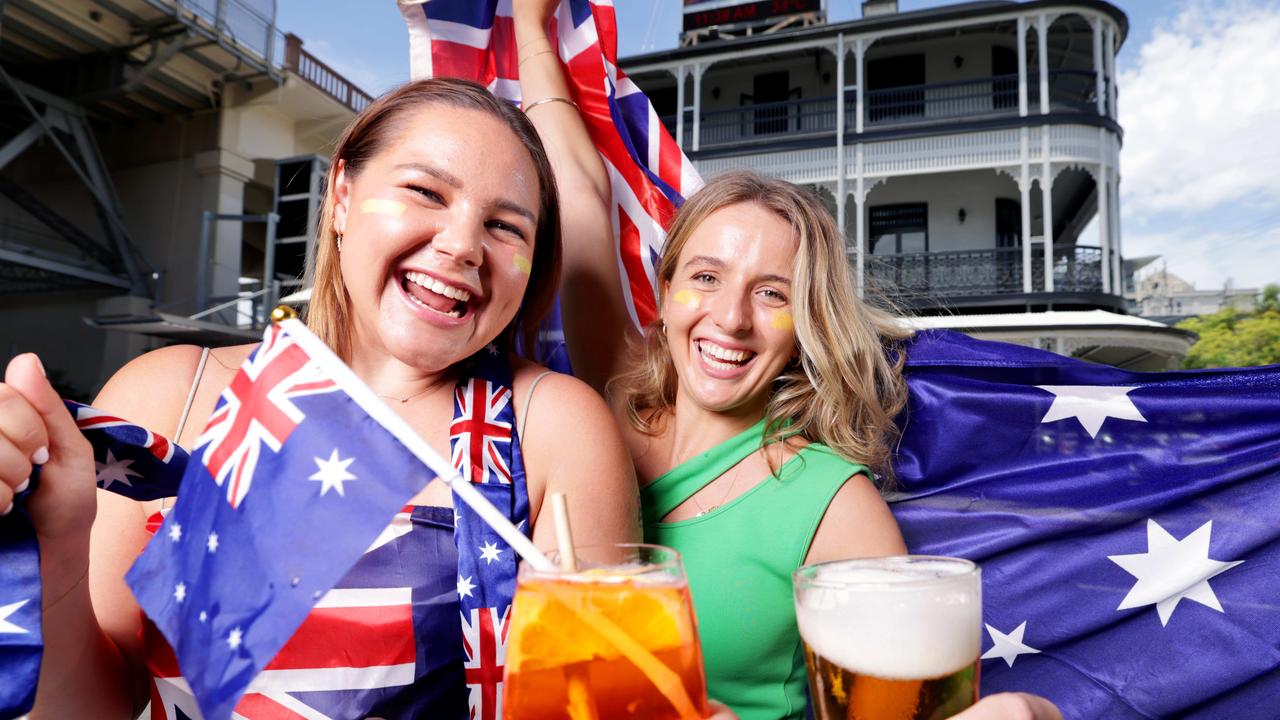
x,y
369,401
581,704
564,535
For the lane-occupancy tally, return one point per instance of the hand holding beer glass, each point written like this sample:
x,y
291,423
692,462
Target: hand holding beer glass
x,y
894,638
613,639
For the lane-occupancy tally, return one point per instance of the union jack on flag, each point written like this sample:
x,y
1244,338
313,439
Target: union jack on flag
x,y
228,583
356,651
481,430
130,459
649,175
257,410
484,640
89,419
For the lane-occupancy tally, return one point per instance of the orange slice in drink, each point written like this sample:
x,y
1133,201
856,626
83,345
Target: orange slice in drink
x,y
552,633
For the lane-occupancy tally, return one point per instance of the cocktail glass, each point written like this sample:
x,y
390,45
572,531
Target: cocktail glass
x,y
615,639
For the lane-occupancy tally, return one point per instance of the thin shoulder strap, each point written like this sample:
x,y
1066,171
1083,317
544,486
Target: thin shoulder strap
x,y
191,394
528,398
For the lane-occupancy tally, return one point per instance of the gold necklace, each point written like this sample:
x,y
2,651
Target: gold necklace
x,y
723,498
406,398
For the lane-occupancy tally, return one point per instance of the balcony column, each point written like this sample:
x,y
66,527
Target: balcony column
x,y
840,164
698,69
1117,264
1104,221
860,223
681,71
1046,203
1042,35
1022,66
1111,70
859,55
1099,72
1024,188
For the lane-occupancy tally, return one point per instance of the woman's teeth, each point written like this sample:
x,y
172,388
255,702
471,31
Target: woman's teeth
x,y
722,358
437,287
435,295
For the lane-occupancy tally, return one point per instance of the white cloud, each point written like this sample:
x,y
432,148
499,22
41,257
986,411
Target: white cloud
x,y
1201,112
1209,260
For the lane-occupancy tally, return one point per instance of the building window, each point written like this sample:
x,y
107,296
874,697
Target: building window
x,y
1008,223
893,88
898,229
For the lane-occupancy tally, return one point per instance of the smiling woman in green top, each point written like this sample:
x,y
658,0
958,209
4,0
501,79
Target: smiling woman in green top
x,y
753,408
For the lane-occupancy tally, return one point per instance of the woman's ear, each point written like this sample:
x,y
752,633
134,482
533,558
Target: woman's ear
x,y
341,198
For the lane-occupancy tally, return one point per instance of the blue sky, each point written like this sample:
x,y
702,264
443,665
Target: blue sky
x,y
1199,102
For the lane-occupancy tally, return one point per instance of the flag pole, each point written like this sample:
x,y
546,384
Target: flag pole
x,y
287,318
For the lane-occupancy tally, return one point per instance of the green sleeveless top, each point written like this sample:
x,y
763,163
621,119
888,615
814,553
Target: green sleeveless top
x,y
739,558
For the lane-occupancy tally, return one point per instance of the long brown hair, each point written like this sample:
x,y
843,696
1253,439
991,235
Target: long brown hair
x,y
847,385
328,313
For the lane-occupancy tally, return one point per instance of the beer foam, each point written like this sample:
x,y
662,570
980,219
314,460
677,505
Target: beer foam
x,y
893,631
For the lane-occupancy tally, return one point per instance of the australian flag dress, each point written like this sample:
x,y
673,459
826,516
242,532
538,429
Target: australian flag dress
x,y
418,628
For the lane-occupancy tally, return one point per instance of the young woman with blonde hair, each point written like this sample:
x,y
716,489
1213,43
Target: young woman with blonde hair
x,y
758,410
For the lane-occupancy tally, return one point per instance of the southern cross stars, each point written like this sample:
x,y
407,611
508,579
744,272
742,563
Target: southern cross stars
x,y
1171,570
490,552
1091,405
332,473
1008,647
175,532
5,612
115,471
465,586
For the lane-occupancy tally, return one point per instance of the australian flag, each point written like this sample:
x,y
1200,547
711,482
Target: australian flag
x,y
1126,524
297,475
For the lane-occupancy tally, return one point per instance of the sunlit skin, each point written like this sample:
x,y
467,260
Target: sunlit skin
x,y
469,193
737,265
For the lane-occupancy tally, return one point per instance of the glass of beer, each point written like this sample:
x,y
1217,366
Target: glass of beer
x,y
894,638
615,639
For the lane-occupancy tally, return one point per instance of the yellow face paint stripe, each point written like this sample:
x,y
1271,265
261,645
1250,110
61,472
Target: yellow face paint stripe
x,y
782,320
688,298
522,264
379,206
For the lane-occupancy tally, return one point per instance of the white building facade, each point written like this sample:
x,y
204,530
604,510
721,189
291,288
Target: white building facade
x,y
971,152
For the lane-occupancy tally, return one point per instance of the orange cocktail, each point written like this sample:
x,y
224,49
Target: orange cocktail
x,y
614,640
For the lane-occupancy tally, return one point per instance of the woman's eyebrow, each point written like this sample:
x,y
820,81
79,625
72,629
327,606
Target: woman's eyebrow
x,y
441,175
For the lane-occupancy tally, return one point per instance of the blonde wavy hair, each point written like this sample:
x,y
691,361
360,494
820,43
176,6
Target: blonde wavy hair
x,y
328,313
847,385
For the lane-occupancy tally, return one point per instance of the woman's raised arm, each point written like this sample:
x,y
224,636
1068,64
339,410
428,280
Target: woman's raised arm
x,y
596,321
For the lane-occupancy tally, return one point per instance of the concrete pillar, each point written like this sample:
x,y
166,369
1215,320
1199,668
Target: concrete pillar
x,y
223,177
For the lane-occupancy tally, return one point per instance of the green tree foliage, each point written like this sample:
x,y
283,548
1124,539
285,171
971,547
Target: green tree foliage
x,y
1229,338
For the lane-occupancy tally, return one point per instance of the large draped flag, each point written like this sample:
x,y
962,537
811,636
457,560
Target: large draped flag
x,y
1097,500
1126,524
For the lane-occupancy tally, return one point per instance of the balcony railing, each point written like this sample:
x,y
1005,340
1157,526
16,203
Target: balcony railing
x,y
995,96
323,77
953,274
